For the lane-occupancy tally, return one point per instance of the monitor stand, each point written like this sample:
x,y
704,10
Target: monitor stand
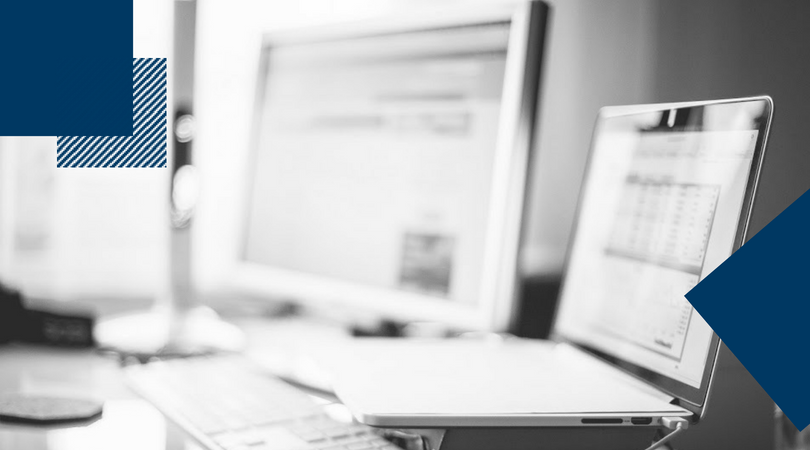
x,y
177,325
164,331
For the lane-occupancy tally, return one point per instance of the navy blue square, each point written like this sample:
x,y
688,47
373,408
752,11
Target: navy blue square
x,y
67,68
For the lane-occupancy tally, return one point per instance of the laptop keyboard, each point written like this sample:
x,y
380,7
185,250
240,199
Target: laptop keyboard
x,y
228,403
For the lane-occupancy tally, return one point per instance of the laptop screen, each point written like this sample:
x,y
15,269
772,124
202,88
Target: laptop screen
x,y
666,200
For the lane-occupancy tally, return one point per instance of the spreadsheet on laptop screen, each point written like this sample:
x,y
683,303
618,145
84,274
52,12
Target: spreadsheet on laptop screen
x,y
660,210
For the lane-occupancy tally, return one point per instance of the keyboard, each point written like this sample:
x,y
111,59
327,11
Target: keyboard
x,y
229,403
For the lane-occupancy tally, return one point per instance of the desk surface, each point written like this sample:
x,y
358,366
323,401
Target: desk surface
x,y
131,423
127,422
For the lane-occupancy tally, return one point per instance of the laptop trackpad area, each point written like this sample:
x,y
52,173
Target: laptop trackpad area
x,y
401,383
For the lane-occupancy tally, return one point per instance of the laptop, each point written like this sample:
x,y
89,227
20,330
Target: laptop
x,y
667,197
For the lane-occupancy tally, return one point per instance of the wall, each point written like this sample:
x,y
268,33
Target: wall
x,y
630,51
598,55
85,233
728,48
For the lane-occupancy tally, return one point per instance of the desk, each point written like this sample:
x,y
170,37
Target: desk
x,y
127,422
741,413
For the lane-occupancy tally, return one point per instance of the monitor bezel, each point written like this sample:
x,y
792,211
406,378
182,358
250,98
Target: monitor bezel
x,y
495,308
689,397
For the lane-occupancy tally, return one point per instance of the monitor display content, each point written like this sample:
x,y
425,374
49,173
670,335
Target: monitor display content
x,y
375,156
389,163
374,161
660,210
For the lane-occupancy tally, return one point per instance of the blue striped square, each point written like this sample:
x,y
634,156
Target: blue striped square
x,y
146,147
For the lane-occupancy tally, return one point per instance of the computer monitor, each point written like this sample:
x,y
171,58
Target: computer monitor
x,y
667,198
389,165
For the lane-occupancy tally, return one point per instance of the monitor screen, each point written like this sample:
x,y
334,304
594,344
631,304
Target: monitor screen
x,y
375,157
375,165
666,197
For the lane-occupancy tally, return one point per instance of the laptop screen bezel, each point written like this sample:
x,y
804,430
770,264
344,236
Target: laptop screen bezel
x,y
691,398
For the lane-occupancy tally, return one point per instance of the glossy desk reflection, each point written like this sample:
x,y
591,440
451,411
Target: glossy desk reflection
x,y
127,422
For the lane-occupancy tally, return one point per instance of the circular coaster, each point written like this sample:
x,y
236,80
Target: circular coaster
x,y
41,409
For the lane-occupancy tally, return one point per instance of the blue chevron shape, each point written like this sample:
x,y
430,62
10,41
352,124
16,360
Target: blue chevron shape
x,y
146,147
758,302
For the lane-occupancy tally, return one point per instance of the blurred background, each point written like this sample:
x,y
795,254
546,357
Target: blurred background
x,y
67,234
101,237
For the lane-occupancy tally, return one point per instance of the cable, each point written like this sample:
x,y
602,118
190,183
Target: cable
x,y
677,424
